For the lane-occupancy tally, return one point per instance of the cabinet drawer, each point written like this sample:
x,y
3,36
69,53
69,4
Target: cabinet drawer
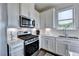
x,y
63,41
47,37
20,49
16,49
17,53
16,46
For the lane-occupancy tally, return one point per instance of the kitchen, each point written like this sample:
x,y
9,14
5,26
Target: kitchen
x,y
39,29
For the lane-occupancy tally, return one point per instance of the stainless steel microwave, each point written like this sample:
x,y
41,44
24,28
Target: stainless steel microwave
x,y
26,22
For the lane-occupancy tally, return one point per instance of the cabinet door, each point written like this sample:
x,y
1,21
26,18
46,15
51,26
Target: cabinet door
x,y
61,48
40,42
27,10
24,9
46,19
19,52
52,44
42,20
73,48
31,10
13,14
37,20
44,43
49,18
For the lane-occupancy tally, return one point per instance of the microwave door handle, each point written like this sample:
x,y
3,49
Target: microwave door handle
x,y
33,22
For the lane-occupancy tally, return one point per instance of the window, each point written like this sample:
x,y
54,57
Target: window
x,y
65,19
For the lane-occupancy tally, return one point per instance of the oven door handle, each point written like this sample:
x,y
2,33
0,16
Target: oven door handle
x,y
27,43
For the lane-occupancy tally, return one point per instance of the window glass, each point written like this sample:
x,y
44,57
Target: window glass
x,y
65,14
65,19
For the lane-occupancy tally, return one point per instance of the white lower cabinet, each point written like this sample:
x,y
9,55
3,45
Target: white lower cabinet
x,y
52,44
45,43
48,43
61,48
16,48
73,49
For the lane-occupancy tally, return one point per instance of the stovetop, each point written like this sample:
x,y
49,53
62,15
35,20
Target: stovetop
x,y
27,36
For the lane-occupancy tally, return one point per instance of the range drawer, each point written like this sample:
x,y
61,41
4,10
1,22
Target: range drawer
x,y
17,53
16,49
16,46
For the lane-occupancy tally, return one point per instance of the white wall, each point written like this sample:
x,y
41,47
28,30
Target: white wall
x,y
3,28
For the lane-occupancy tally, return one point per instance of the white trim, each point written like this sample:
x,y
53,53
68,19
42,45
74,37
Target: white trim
x,y
64,9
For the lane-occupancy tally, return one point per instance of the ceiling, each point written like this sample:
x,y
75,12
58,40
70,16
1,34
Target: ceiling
x,y
44,6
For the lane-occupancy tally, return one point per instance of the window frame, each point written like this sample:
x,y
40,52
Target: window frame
x,y
61,10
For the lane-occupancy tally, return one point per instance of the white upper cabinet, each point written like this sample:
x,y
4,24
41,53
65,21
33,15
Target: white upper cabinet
x,y
24,9
31,10
46,19
49,18
27,9
13,14
37,20
42,20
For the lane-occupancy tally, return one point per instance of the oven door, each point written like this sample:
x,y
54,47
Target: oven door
x,y
31,48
